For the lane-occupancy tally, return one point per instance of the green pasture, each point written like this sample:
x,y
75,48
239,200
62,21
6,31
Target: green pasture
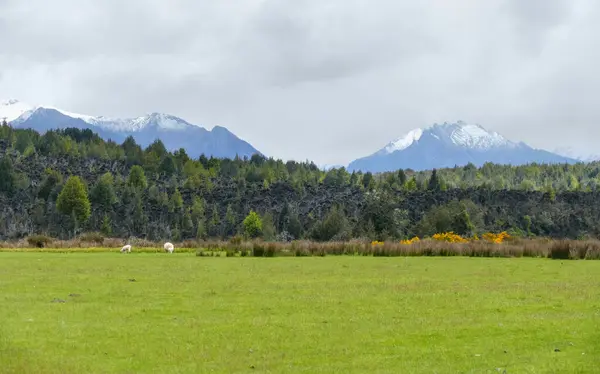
x,y
180,313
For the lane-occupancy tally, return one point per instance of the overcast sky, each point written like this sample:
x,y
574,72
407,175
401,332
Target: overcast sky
x,y
325,80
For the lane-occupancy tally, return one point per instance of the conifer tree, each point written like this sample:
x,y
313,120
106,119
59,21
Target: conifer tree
x,y
73,200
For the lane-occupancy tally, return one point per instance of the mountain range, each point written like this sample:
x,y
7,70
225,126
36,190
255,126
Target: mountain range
x,y
436,146
449,145
174,132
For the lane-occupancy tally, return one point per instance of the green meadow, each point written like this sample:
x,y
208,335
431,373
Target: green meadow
x,y
180,313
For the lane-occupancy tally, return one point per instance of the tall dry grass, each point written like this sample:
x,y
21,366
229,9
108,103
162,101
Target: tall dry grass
x,y
512,247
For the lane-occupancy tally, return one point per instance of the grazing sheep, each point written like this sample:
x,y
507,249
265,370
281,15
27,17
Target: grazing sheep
x,y
126,248
168,247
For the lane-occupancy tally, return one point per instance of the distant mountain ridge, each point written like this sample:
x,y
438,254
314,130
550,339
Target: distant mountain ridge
x,y
173,131
449,144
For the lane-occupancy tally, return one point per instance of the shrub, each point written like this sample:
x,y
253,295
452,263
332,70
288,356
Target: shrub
x,y
496,238
39,241
593,251
410,241
449,237
560,250
92,237
258,250
188,244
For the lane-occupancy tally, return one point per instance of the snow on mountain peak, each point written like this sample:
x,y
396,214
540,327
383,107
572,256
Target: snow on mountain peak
x,y
404,141
469,136
161,120
15,111
460,134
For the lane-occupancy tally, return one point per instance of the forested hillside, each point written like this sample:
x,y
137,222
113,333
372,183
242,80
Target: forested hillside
x,y
70,181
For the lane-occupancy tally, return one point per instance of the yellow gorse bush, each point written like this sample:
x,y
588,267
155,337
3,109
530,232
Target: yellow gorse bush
x,y
449,237
410,241
376,243
496,238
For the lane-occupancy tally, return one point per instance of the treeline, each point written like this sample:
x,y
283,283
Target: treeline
x,y
68,181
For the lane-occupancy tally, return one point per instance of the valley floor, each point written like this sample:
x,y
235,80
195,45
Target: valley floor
x,y
160,313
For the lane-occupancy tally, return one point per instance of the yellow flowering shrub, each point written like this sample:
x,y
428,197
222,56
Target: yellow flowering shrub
x,y
496,238
449,237
410,241
374,243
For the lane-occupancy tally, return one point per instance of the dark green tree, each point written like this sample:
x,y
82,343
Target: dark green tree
x,y
7,176
367,181
401,177
334,226
103,194
462,224
106,228
213,227
51,181
167,166
201,229
137,178
230,221
73,200
434,182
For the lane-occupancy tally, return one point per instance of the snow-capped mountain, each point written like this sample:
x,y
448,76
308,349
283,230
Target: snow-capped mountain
x,y
174,132
450,144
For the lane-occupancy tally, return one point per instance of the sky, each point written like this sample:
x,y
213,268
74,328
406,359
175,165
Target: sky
x,y
324,80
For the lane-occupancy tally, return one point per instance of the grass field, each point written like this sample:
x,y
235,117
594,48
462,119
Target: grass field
x,y
160,313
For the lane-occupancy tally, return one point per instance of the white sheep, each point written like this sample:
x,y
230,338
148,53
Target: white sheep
x,y
169,247
126,248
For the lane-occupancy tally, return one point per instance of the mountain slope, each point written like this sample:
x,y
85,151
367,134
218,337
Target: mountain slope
x,y
174,132
450,144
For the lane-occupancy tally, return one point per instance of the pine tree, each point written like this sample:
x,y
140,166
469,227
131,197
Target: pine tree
x,y
214,223
200,229
176,202
462,224
187,225
103,193
7,176
434,182
73,200
137,214
167,166
401,177
367,181
230,221
198,209
106,228
294,226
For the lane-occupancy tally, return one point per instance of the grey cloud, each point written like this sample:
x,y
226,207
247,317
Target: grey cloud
x,y
327,80
534,19
309,41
